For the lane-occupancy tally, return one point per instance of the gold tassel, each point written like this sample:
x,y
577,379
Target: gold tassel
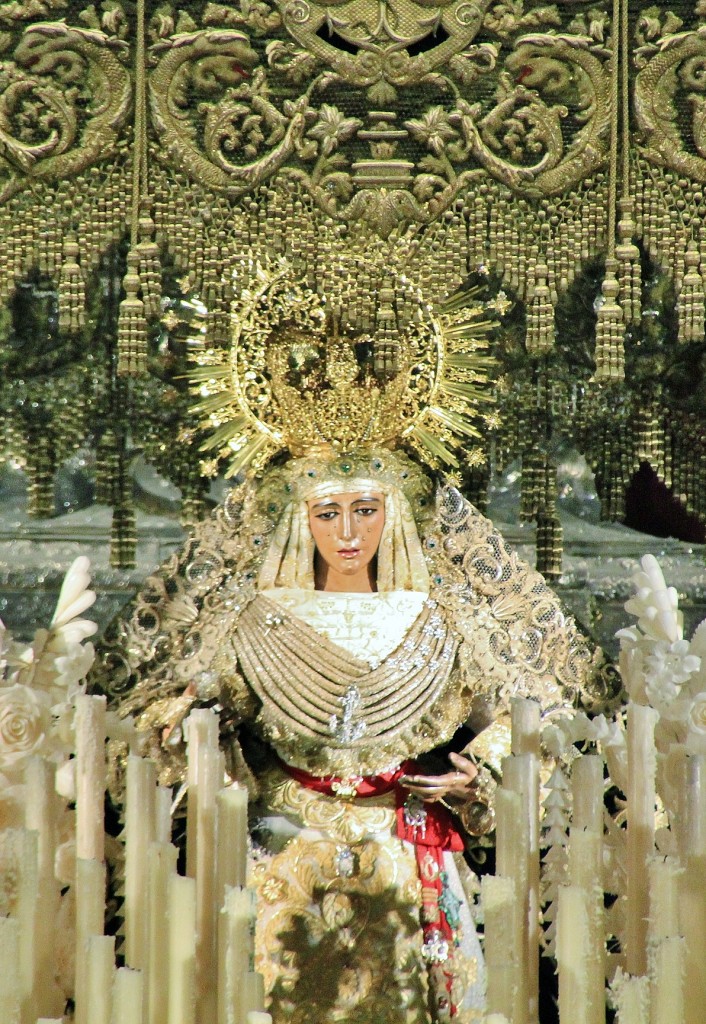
x,y
149,265
610,331
123,537
193,504
107,468
629,269
540,315
132,329
550,540
690,304
386,347
40,469
72,293
530,496
550,535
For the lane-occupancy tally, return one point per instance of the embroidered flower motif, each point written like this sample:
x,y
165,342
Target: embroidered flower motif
x,y
274,890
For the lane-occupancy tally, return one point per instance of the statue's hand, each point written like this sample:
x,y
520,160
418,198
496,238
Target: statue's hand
x,y
457,784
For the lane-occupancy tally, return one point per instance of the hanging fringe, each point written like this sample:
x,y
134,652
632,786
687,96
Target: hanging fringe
x,y
610,331
107,468
149,267
72,291
386,338
690,304
629,269
550,535
532,484
123,537
550,539
540,315
193,504
40,469
132,328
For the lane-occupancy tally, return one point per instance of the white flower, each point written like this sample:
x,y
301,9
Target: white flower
x,y
698,640
25,720
74,597
697,716
73,666
667,667
654,604
555,740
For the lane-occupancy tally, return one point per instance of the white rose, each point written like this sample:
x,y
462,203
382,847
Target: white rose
x,y
25,720
697,715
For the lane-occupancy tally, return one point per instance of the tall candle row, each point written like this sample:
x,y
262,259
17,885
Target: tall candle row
x,y
511,899
189,941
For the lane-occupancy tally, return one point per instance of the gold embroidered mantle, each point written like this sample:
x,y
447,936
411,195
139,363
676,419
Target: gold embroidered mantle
x,y
324,709
513,637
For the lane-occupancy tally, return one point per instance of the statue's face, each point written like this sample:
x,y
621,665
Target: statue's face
x,y
346,529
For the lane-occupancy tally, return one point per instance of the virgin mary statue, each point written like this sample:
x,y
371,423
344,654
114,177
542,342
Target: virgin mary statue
x,y
346,619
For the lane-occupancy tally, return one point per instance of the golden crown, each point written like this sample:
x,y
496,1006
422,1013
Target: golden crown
x,y
296,376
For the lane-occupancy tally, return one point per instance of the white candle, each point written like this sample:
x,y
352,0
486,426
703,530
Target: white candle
x,y
139,833
90,917
501,946
253,991
10,973
640,833
664,898
524,718
100,977
163,815
41,811
632,1001
201,730
182,950
26,911
695,818
258,1017
237,932
587,793
572,951
667,988
209,781
692,921
127,996
585,873
232,838
512,862
521,776
161,865
90,728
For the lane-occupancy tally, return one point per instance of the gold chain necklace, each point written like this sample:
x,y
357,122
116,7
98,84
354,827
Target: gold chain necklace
x,y
311,687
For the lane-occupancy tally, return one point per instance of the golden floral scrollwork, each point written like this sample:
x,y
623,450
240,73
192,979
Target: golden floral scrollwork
x,y
367,42
416,169
65,97
671,79
211,108
326,942
383,113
